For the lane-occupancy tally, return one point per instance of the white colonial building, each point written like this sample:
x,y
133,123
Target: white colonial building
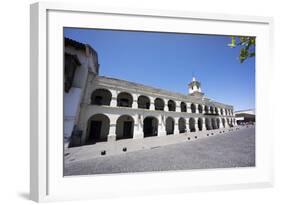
x,y
114,110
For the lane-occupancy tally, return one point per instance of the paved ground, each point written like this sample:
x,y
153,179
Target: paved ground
x,y
234,149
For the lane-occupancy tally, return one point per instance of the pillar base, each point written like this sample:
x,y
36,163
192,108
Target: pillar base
x,y
138,135
111,138
161,133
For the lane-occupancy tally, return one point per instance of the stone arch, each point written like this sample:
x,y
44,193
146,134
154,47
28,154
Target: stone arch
x,y
183,107
171,105
143,102
170,124
97,129
182,125
150,126
193,108
124,99
192,127
214,124
208,124
124,127
101,97
218,123
200,124
159,104
200,108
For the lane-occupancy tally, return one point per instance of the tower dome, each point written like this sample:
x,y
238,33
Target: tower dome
x,y
194,88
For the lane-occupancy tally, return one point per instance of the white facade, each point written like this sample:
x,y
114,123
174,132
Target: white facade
x,y
149,111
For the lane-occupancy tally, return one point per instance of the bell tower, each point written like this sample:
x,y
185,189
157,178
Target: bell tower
x,y
194,88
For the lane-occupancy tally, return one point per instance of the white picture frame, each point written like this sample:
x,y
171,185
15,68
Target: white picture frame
x,y
46,140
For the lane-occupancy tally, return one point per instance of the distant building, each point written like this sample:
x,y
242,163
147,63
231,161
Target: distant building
x,y
102,109
245,116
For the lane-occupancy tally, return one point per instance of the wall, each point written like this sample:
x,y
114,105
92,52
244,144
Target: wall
x,y
70,109
14,81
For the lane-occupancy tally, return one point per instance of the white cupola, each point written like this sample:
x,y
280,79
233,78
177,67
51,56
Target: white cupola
x,y
194,88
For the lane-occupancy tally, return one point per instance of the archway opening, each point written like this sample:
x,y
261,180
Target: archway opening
x,y
101,97
216,111
170,124
218,123
143,102
124,100
192,125
171,105
208,124
193,108
159,104
221,111
182,125
183,107
200,108
150,127
211,110
124,127
223,122
214,124
206,109
200,124
98,129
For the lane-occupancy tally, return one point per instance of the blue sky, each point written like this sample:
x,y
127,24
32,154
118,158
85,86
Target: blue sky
x,y
168,60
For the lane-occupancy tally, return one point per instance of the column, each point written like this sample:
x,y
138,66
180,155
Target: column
x,y
138,128
196,108
112,133
188,109
166,108
187,124
203,124
176,126
135,101
113,102
178,106
226,123
196,124
221,125
152,105
161,125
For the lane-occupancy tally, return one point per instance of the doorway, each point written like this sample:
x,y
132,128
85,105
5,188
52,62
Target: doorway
x,y
127,129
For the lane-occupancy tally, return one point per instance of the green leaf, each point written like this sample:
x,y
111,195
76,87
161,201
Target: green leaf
x,y
233,42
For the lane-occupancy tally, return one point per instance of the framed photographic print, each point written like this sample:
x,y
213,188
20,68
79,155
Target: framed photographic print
x,y
129,102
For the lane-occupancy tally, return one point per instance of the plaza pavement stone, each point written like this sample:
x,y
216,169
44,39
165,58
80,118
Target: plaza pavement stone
x,y
233,149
